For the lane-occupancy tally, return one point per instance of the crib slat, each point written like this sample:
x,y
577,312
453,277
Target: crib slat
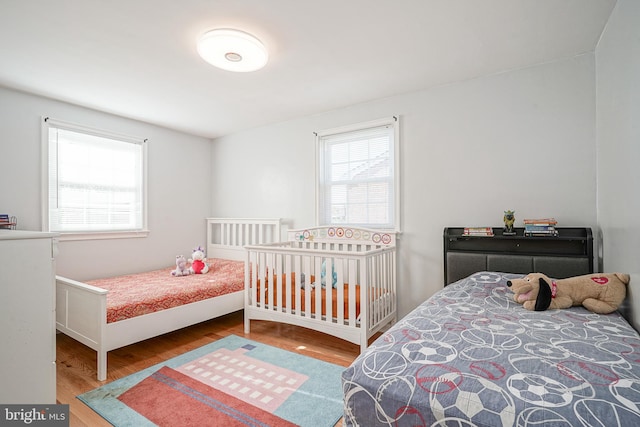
x,y
272,279
352,292
340,293
329,289
308,288
370,266
299,284
364,293
376,310
377,298
390,291
263,275
318,288
298,272
289,282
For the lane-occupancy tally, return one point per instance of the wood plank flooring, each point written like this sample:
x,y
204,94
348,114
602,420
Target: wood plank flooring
x,y
76,363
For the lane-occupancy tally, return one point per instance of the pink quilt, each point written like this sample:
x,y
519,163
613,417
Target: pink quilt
x,y
143,293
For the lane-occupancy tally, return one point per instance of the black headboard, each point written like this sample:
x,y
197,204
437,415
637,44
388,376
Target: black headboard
x,y
568,254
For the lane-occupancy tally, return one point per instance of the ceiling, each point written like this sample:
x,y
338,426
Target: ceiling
x,y
138,59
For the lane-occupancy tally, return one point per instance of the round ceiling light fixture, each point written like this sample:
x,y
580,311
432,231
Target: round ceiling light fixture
x,y
232,50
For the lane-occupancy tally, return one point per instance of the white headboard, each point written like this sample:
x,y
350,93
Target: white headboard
x,y
226,237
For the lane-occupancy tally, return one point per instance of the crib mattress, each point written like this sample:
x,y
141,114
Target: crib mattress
x,y
143,293
333,294
470,355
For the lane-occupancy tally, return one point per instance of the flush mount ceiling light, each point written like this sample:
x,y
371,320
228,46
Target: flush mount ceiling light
x,y
232,50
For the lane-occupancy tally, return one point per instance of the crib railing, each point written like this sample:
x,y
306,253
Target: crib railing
x,y
346,290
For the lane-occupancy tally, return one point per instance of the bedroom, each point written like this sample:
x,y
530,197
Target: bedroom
x,y
576,111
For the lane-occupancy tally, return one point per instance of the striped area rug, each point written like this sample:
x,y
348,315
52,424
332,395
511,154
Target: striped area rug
x,y
230,382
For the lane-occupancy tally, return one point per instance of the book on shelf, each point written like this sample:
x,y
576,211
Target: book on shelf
x,y
540,221
548,231
477,231
539,228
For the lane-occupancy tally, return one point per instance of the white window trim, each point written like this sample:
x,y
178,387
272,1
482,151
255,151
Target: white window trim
x,y
46,123
393,121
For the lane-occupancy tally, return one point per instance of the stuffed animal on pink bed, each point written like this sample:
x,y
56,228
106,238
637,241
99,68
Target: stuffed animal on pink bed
x,y
197,260
181,267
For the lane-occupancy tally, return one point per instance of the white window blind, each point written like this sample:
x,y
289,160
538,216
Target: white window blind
x,y
96,180
357,179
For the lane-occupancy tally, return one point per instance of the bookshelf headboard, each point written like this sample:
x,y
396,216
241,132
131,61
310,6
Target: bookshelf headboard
x,y
568,254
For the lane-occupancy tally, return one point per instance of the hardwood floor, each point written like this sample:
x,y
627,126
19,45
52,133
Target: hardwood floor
x,y
76,363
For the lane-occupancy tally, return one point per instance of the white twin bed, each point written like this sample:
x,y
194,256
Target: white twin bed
x,y
83,311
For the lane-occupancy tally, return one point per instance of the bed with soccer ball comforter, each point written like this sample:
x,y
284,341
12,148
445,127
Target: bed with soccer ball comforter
x,y
471,356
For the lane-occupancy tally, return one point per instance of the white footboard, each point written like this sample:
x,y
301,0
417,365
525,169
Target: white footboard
x,y
315,279
81,313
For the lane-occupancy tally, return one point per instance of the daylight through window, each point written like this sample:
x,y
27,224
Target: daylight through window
x,y
95,180
357,179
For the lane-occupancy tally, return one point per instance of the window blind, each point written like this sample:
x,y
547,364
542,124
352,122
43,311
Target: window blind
x,y
357,177
96,182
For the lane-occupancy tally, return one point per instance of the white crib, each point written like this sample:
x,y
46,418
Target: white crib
x,y
313,278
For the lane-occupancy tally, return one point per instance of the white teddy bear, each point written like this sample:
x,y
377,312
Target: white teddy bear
x,y
198,266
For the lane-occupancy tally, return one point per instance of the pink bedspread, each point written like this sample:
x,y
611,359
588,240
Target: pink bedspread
x,y
143,293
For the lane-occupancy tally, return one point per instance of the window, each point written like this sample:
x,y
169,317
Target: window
x,y
357,180
95,182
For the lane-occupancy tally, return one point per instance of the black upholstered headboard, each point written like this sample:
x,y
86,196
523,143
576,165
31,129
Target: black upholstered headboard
x,y
568,254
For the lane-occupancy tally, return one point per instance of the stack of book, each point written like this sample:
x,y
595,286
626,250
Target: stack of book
x,y
5,221
477,231
540,227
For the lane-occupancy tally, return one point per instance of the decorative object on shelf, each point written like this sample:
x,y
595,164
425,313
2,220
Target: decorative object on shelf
x,y
8,222
478,231
540,227
509,219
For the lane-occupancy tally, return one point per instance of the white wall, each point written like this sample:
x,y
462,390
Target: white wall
x,y
179,187
618,142
618,136
522,140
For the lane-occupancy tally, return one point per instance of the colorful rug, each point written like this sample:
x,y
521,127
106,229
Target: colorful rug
x,y
230,382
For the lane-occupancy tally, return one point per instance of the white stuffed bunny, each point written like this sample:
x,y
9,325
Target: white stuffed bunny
x,y
181,267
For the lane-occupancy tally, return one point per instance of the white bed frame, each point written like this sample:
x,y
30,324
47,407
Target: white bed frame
x,y
357,256
81,309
